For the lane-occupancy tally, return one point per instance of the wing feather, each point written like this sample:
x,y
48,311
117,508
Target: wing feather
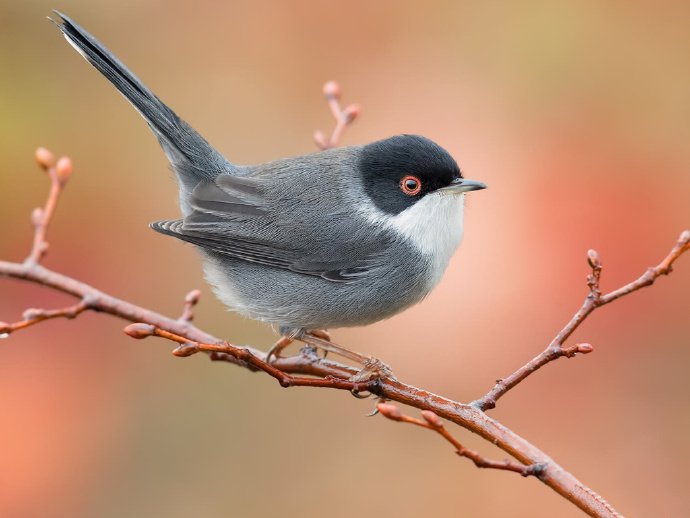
x,y
227,212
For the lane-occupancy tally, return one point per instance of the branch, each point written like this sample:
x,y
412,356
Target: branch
x,y
433,422
343,117
593,301
327,373
308,369
309,364
248,357
34,316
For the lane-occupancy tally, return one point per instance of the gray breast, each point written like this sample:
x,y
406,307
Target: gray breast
x,y
300,301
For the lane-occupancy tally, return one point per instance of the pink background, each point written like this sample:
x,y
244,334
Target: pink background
x,y
577,116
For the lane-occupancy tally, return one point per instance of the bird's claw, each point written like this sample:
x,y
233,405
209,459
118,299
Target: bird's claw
x,y
373,369
276,349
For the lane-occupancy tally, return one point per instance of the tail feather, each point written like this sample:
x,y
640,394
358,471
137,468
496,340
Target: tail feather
x,y
192,157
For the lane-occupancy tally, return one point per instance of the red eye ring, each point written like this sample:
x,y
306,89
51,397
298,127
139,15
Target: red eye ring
x,y
411,185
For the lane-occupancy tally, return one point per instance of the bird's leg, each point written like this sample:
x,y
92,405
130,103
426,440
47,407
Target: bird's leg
x,y
371,367
318,339
278,347
324,335
321,333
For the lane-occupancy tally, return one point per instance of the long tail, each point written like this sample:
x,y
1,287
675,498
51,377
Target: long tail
x,y
192,158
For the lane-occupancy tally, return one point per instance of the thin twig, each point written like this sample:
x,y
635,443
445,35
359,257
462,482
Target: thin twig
x,y
34,316
593,301
58,173
467,416
190,300
189,347
464,415
343,117
327,373
433,422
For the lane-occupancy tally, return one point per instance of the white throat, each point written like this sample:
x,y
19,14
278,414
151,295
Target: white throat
x,y
434,225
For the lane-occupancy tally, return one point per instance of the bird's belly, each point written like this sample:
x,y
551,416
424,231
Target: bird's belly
x,y
301,301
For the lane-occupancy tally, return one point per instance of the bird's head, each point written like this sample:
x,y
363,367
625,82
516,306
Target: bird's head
x,y
399,172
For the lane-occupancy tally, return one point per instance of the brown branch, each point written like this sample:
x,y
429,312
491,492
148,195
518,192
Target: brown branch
x,y
343,117
307,363
593,301
432,422
34,316
305,368
308,369
245,355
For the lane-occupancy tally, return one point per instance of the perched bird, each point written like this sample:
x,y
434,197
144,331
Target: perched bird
x,y
342,237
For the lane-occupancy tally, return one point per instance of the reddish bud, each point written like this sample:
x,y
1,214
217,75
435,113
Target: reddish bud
x,y
185,350
44,158
593,258
389,411
584,348
331,90
432,419
139,331
351,112
193,297
32,314
63,169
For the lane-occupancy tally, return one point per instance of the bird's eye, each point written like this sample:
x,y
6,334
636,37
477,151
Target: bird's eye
x,y
411,185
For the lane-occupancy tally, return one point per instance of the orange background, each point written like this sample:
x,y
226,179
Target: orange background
x,y
577,116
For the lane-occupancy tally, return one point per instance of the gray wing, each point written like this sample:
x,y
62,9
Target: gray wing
x,y
231,216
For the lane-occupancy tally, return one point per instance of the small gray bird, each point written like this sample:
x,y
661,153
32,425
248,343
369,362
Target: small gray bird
x,y
342,237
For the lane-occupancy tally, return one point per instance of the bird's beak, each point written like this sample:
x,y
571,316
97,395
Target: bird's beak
x,y
459,185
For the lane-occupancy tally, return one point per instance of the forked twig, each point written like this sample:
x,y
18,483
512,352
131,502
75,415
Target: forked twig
x,y
58,173
433,422
343,117
593,301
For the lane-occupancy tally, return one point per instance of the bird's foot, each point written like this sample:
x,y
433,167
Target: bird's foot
x,y
277,348
321,340
373,369
324,335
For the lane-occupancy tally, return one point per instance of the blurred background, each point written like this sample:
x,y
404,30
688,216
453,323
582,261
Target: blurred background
x,y
577,116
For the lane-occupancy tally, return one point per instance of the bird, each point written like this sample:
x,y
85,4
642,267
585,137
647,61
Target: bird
x,y
341,237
